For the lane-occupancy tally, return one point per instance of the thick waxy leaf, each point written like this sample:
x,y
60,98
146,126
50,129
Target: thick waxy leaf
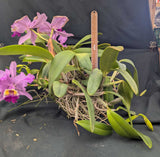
x,y
94,81
88,51
89,105
58,64
108,96
99,129
146,120
59,89
135,74
84,61
125,91
29,58
57,48
103,46
145,139
85,38
69,68
45,70
108,58
26,50
122,128
129,80
85,43
122,66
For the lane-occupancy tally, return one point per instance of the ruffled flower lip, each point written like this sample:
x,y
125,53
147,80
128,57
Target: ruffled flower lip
x,y
16,34
11,95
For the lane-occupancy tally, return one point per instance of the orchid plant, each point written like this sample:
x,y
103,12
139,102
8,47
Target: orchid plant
x,y
88,95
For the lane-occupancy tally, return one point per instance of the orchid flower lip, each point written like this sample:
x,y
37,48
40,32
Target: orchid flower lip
x,y
10,92
11,95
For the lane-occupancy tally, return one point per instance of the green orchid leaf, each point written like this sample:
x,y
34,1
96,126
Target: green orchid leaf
x,y
109,57
84,61
85,43
59,89
129,80
26,50
89,105
125,91
69,68
58,64
120,126
29,58
56,47
99,129
135,74
40,70
145,139
122,66
87,51
108,96
103,46
124,129
45,70
85,38
94,81
146,120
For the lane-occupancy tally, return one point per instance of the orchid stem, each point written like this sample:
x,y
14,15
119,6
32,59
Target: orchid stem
x,y
51,33
39,35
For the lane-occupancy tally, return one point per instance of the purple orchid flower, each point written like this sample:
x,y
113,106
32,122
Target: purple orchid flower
x,y
12,85
56,26
24,24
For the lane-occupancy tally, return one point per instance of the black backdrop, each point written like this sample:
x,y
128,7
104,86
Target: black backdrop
x,y
122,22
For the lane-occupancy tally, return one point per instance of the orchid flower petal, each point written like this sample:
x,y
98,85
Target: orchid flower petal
x,y
38,20
13,68
59,21
22,80
29,78
33,37
24,38
64,34
25,94
21,25
45,28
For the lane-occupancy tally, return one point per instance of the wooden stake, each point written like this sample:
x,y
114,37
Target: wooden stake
x,y
94,39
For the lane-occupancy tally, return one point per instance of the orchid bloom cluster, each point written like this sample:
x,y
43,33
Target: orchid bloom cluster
x,y
53,29
12,85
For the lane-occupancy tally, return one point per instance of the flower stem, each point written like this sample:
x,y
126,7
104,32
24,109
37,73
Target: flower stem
x,y
39,35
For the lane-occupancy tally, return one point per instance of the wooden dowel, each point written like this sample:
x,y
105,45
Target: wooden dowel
x,y
94,39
